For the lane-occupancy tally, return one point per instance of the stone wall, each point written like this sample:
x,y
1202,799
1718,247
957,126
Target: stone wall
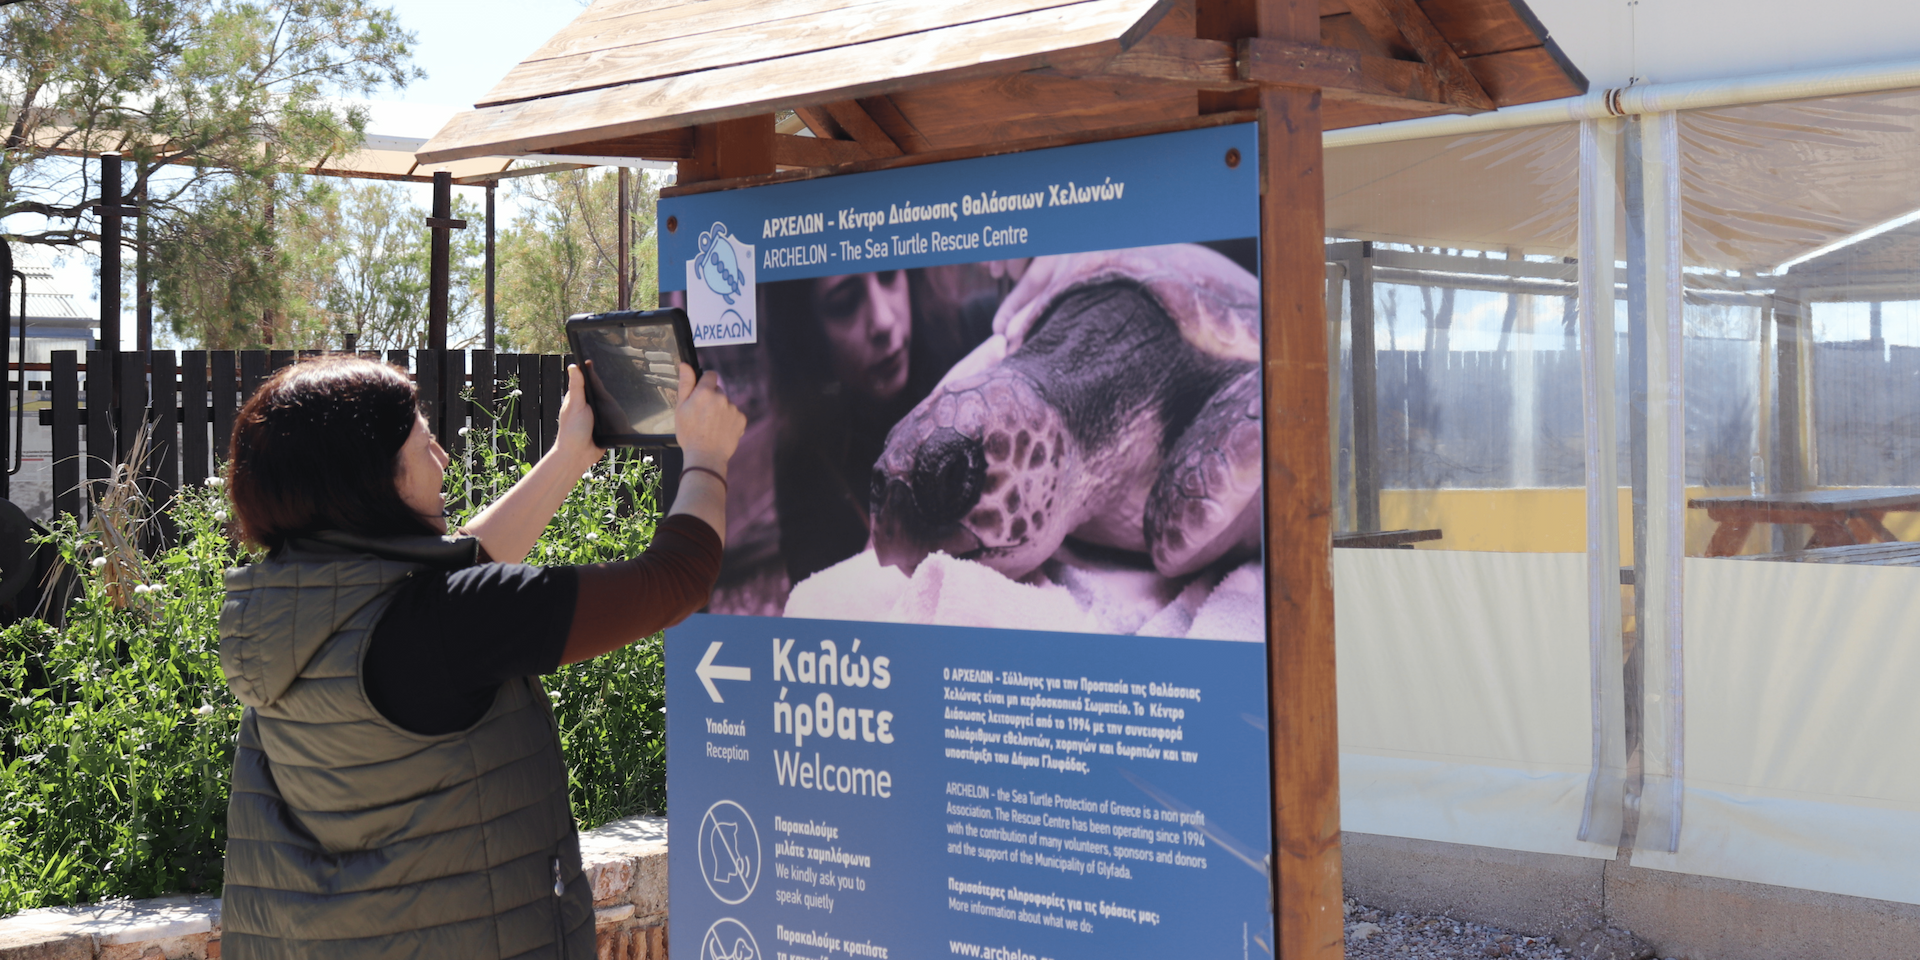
x,y
626,861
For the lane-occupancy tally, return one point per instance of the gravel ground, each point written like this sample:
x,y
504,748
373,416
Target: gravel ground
x,y
1375,934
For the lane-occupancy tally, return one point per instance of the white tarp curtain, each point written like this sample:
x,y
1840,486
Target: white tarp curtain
x,y
1777,699
1479,691
1464,684
1800,722
1779,706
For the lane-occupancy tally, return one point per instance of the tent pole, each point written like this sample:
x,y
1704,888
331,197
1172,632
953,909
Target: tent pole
x,y
1366,397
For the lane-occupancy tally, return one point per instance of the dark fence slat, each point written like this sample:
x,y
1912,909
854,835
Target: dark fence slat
x,y
253,372
427,378
529,400
193,418
280,358
482,384
223,380
65,388
553,384
99,389
130,397
166,416
400,358
453,407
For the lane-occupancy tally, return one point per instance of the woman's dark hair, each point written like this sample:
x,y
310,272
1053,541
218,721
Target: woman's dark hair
x,y
317,448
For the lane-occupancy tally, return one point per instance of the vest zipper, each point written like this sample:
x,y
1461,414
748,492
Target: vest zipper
x,y
559,921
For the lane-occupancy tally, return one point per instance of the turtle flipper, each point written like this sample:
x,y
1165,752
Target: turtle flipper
x,y
1206,502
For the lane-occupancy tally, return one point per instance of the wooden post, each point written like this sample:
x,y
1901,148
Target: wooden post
x,y
110,211
142,271
623,230
491,185
439,263
1303,725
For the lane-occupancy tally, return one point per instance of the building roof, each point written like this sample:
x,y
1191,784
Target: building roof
x,y
876,78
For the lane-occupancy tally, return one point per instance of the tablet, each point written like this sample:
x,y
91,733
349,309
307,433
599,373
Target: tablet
x,y
631,362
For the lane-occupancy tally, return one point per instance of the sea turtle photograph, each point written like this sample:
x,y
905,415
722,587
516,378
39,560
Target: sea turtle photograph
x,y
1061,443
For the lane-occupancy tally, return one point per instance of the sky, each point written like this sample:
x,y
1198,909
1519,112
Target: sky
x,y
465,47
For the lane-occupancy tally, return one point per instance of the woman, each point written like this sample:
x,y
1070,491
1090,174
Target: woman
x,y
398,787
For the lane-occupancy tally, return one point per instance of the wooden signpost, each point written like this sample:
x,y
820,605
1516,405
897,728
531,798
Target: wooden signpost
x,y
892,83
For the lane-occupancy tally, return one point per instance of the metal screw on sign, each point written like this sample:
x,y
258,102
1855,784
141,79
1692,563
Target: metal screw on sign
x,y
1233,158
673,224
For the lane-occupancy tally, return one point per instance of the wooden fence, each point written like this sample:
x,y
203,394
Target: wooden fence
x,y
98,401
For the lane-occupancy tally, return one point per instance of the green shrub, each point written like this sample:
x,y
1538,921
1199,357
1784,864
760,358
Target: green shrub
x,y
116,744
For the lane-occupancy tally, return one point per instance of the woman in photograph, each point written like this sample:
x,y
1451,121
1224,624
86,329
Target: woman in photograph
x,y
851,354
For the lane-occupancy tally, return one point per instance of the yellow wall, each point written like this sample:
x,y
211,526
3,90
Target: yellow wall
x,y
1554,520
1522,520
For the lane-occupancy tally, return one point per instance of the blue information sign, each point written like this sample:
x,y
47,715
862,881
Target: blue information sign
x,y
846,789
969,684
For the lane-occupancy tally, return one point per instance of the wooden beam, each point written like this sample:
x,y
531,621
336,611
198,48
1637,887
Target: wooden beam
x,y
792,151
661,145
894,124
1477,27
861,128
730,148
1200,64
967,152
1228,21
1036,104
1388,19
1527,75
821,122
1346,75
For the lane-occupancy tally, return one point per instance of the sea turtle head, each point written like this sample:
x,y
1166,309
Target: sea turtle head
x,y
975,471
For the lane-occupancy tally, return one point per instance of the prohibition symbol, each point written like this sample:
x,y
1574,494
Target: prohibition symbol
x,y
729,939
729,854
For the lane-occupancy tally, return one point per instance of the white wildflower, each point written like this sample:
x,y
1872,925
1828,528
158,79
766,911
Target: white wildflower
x,y
205,710
220,516
514,392
99,562
465,430
216,482
140,589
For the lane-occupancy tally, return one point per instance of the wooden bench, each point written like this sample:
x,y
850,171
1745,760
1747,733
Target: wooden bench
x,y
1384,539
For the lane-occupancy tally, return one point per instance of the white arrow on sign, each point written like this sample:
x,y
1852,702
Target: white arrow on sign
x,y
708,673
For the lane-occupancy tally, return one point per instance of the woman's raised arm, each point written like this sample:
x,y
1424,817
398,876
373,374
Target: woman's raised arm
x,y
709,430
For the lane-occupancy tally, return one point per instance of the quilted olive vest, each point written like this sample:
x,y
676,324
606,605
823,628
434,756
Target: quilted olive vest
x,y
348,836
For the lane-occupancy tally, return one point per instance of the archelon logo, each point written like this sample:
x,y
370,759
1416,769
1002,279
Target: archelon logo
x,y
720,290
717,265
